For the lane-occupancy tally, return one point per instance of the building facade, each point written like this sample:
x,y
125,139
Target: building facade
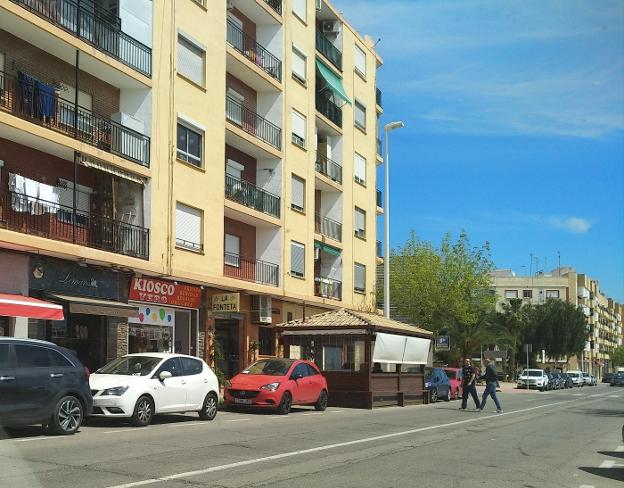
x,y
216,160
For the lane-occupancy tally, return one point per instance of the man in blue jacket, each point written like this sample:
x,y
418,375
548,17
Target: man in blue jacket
x,y
469,380
490,385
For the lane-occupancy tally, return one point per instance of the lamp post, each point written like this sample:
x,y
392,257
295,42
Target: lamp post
x,y
387,128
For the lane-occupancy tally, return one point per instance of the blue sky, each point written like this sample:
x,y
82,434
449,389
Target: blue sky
x,y
514,117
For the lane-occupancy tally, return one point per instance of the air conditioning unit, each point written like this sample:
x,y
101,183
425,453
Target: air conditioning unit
x,y
319,5
330,27
262,310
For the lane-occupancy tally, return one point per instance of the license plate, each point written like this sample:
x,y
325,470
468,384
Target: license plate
x,y
244,401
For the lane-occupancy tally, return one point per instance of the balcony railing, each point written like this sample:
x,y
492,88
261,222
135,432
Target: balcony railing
x,y
30,99
251,196
328,227
253,51
327,288
378,97
379,249
379,146
329,109
252,123
331,52
98,29
379,199
329,168
30,215
275,5
253,270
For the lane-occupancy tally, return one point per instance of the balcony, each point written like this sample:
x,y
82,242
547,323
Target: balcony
x,y
256,271
252,123
378,97
249,195
379,199
327,49
379,146
329,109
99,30
253,51
329,168
327,288
24,99
30,215
379,249
328,227
275,5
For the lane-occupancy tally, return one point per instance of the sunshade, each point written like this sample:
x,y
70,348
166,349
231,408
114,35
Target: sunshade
x,y
93,306
333,81
328,249
21,306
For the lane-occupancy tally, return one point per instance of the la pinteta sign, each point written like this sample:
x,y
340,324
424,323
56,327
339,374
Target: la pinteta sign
x,y
153,290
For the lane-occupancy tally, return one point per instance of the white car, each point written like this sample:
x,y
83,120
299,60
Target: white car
x,y
577,378
535,378
139,386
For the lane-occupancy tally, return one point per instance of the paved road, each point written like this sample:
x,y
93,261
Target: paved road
x,y
568,439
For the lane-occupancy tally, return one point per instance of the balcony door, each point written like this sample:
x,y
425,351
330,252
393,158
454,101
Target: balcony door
x,y
235,111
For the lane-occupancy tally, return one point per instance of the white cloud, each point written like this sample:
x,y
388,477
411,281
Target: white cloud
x,y
576,225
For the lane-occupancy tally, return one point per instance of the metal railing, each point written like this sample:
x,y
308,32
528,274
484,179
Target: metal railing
x,y
328,227
378,97
96,28
31,215
331,52
251,196
248,269
253,51
275,5
328,167
327,288
379,199
252,123
329,109
30,99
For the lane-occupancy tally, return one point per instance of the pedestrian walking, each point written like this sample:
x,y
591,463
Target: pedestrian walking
x,y
490,385
469,380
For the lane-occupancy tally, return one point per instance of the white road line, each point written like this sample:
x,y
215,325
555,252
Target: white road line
x,y
237,420
614,396
326,447
186,424
140,429
595,395
607,464
311,413
619,449
587,486
281,417
336,411
577,394
42,438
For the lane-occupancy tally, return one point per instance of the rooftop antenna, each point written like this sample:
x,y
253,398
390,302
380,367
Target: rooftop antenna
x,y
559,263
377,42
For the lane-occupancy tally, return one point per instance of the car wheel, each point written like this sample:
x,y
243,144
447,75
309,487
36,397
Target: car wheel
x,y
209,409
284,406
447,398
434,396
542,388
143,412
321,403
67,416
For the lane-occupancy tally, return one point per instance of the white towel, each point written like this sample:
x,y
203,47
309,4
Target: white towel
x,y
49,197
31,188
19,203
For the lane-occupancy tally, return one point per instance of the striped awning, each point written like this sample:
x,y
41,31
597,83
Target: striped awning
x,y
32,308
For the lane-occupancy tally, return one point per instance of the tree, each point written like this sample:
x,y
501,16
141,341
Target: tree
x,y
617,356
513,319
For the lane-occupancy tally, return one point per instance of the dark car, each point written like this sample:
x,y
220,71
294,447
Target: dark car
x,y
438,384
567,381
42,383
606,378
618,379
553,382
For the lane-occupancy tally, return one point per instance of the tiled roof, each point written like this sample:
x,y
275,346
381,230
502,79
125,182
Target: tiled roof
x,y
344,318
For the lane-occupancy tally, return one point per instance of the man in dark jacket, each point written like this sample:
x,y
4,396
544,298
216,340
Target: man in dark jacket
x,y
469,380
490,385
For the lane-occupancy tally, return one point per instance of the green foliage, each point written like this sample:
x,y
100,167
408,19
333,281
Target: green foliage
x,y
514,320
216,353
617,356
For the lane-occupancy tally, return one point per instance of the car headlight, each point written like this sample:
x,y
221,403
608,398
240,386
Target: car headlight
x,y
270,386
115,391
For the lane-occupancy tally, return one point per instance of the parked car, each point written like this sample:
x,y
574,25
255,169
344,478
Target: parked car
x,y
618,379
534,378
588,379
139,386
606,378
278,384
553,383
42,383
455,377
437,383
577,378
567,380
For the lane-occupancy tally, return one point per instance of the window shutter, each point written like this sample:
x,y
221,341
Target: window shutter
x,y
297,259
232,250
298,125
190,61
360,60
298,193
66,196
360,277
360,228
360,169
299,64
188,226
360,114
300,8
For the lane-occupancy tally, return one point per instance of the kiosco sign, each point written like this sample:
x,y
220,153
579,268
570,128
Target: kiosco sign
x,y
164,292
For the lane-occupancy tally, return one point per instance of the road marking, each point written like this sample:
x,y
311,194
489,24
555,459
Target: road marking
x,y
140,429
237,420
607,464
42,438
577,394
587,486
614,396
619,449
281,417
336,411
311,413
326,447
595,395
185,424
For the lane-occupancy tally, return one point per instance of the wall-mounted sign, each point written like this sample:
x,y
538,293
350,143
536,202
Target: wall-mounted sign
x,y
164,292
442,343
226,302
154,315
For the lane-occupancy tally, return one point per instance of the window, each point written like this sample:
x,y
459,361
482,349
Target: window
x,y
360,61
4,356
359,272
265,338
298,194
32,357
312,371
188,227
173,365
234,106
527,293
297,259
232,250
511,293
552,293
298,123
360,115
360,169
300,9
299,65
189,145
85,101
191,60
300,370
191,366
360,223
58,360
66,201
289,316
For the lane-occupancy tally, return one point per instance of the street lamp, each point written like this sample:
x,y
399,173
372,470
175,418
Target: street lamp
x,y
387,128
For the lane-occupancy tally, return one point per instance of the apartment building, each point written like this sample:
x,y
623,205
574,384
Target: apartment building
x,y
185,173
604,315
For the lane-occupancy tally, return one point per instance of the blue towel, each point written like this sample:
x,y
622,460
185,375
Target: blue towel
x,y
27,91
47,95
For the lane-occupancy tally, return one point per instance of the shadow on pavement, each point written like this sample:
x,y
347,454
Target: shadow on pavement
x,y
601,412
609,473
21,432
614,454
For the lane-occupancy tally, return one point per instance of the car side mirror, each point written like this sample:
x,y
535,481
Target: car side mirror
x,y
164,375
297,376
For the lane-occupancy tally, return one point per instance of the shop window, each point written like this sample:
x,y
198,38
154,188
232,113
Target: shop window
x,y
265,338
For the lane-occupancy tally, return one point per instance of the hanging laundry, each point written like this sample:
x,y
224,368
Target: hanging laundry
x,y
46,95
27,92
49,197
17,184
31,189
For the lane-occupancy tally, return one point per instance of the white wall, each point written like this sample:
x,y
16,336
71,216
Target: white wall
x,y
268,244
331,266
269,106
138,103
331,205
269,175
136,19
270,37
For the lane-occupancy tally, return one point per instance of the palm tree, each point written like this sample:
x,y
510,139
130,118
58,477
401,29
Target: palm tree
x,y
467,339
513,320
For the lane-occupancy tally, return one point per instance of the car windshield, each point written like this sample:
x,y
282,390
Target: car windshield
x,y
532,372
586,375
130,366
450,373
270,367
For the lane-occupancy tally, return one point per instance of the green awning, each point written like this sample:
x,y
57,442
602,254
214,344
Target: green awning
x,y
333,81
328,249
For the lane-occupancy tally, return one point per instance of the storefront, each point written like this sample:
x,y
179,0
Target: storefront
x,y
167,319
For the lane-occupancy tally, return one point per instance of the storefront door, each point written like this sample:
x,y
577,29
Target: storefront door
x,y
226,334
182,332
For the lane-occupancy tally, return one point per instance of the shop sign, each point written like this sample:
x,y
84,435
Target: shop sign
x,y
154,315
226,302
443,343
164,292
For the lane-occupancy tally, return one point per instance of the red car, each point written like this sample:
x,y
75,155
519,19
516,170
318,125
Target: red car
x,y
455,377
277,384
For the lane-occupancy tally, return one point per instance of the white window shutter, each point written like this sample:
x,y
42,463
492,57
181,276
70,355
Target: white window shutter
x,y
298,190
360,222
360,169
360,277
300,8
298,125
297,258
232,250
360,60
360,114
299,64
188,226
190,61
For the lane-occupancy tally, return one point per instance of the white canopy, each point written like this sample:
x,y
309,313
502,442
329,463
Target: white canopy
x,y
391,348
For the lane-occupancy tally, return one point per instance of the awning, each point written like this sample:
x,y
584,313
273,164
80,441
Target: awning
x,y
333,81
21,306
91,162
94,306
391,348
328,249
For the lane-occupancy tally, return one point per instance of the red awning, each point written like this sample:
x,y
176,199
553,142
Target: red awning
x,y
21,306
